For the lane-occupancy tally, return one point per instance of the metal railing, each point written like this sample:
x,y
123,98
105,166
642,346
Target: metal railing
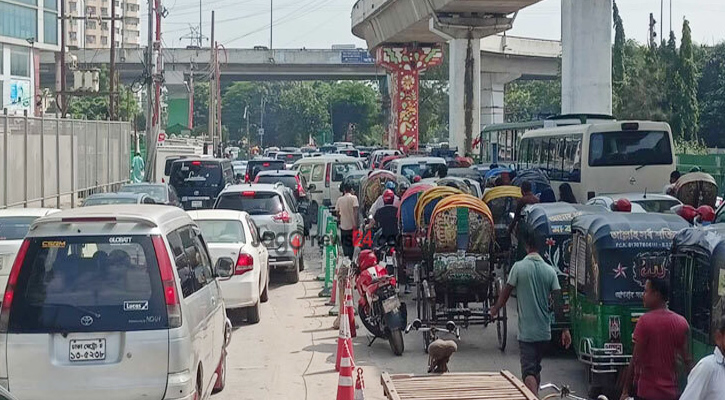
x,y
51,162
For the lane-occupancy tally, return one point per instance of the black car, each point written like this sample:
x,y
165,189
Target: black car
x,y
262,164
198,181
162,193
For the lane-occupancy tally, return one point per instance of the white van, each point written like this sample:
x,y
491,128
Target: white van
x,y
115,303
324,175
166,155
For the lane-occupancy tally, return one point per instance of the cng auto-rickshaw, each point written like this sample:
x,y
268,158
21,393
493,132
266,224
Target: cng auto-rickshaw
x,y
613,255
697,277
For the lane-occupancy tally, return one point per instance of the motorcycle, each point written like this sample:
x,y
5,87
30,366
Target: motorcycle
x,y
379,307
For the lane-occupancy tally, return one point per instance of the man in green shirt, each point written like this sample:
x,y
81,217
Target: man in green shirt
x,y
534,281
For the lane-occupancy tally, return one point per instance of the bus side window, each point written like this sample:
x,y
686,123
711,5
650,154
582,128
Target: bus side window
x,y
572,162
535,153
524,154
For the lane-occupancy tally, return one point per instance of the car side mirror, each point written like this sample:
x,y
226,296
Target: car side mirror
x,y
311,187
224,267
268,236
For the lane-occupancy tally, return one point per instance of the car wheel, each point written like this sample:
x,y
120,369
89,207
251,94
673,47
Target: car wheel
x,y
221,371
197,391
253,314
293,276
301,263
264,297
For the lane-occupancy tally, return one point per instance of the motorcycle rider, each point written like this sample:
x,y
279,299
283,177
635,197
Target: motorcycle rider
x,y
386,219
389,185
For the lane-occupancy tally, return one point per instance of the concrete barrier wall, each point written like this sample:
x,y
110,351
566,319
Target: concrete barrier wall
x,y
54,162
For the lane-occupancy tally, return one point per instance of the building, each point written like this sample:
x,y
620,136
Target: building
x,y
26,28
94,31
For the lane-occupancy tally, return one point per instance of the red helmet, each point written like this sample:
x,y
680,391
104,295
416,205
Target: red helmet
x,y
622,205
687,212
416,179
706,213
366,259
388,196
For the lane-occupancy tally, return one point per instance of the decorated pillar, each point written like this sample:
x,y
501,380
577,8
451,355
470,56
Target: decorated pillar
x,y
404,64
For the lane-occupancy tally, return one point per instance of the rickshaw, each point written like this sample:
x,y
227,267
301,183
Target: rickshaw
x,y
491,178
410,251
372,186
456,270
428,201
551,224
540,184
696,189
613,256
697,277
501,200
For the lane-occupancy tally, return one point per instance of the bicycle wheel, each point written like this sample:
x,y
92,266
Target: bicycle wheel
x,y
502,319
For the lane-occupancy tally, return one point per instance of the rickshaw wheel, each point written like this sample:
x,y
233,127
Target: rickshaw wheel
x,y
502,319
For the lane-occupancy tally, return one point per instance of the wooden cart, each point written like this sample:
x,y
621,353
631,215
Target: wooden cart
x,y
457,386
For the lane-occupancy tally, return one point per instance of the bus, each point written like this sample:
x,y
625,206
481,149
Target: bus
x,y
601,158
499,142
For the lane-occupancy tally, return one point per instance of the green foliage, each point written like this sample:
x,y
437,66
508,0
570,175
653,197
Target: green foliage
x,y
712,97
201,107
532,100
690,147
687,106
618,54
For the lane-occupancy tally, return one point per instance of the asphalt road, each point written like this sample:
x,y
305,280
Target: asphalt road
x,y
290,353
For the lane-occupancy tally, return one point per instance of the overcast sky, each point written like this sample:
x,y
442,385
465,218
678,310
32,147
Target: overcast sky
x,y
322,23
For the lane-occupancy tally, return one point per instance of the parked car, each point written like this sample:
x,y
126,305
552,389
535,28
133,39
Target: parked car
x,y
273,209
648,202
262,164
161,193
296,183
14,225
377,156
239,167
410,167
234,234
289,158
324,174
103,199
114,302
198,181
349,151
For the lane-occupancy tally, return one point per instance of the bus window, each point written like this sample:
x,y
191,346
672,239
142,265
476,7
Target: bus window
x,y
535,153
630,148
524,154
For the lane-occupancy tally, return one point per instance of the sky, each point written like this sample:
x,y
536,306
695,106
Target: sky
x,y
318,24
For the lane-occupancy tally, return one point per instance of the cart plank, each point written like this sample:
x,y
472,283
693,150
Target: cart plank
x,y
455,386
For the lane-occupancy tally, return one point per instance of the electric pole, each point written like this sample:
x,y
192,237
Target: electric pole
x,y
112,72
149,86
271,22
63,106
212,86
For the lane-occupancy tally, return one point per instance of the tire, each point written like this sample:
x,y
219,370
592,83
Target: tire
x,y
198,390
312,212
593,390
502,320
301,263
395,338
253,314
293,276
264,297
221,371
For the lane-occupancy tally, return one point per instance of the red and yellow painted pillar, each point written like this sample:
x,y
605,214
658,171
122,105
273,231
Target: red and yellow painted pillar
x,y
404,65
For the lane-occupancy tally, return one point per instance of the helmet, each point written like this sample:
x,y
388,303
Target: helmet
x,y
388,196
366,259
390,185
416,179
622,205
687,212
706,213
403,187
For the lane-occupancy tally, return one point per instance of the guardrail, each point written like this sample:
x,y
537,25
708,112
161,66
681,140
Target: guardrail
x,y
55,162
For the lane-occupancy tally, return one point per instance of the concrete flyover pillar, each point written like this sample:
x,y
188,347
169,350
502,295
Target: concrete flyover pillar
x,y
492,96
586,68
405,64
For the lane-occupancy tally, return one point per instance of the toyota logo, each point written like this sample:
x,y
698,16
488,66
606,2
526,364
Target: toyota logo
x,y
86,320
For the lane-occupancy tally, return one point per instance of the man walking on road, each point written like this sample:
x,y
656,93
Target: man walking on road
x,y
137,168
707,379
534,281
347,209
660,336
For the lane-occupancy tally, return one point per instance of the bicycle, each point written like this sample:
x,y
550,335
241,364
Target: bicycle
x,y
564,393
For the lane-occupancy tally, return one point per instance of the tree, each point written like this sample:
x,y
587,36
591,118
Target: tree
x,y
711,96
687,105
354,107
238,96
531,100
302,112
201,107
618,71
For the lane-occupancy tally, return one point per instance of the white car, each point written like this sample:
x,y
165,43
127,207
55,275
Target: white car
x,y
115,302
233,234
14,225
641,202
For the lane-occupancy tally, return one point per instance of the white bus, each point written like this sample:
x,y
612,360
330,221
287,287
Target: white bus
x,y
601,158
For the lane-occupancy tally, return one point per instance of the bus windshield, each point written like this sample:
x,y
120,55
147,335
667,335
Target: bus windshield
x,y
629,148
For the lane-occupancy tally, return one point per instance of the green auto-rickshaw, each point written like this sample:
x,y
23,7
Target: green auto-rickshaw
x,y
697,276
613,255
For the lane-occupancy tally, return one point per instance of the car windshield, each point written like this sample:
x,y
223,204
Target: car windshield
x,y
657,206
196,174
424,170
630,148
88,284
103,201
15,228
222,231
289,158
255,167
156,192
339,170
255,203
288,181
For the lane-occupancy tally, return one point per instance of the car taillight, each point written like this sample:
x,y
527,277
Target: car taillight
x,y
171,295
282,217
256,180
246,177
10,289
247,194
300,189
196,163
328,172
245,263
265,164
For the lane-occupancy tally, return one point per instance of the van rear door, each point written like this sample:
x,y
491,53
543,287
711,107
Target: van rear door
x,y
197,182
88,316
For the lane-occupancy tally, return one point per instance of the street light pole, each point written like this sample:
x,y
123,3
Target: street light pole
x,y
271,22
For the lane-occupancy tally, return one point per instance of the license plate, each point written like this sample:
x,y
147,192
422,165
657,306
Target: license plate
x,y
616,348
196,204
391,304
87,350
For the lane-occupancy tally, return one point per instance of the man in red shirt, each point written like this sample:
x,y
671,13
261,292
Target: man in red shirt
x,y
659,338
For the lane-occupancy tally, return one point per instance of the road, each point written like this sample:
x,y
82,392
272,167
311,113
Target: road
x,y
290,353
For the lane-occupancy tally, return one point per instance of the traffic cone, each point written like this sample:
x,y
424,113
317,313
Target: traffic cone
x,y
349,309
359,385
345,389
344,341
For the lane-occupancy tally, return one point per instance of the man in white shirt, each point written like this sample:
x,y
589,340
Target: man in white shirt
x,y
707,379
347,209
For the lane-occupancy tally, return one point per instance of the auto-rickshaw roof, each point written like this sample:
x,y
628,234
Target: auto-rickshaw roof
x,y
706,241
550,217
607,229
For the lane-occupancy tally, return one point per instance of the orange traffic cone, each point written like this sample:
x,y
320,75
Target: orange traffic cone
x,y
344,341
359,385
349,309
345,389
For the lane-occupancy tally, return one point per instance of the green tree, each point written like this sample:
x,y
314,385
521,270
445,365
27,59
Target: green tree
x,y
302,111
245,95
532,100
711,95
687,106
433,105
355,108
201,107
618,71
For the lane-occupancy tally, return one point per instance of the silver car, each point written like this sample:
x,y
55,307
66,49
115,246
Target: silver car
x,y
114,302
273,209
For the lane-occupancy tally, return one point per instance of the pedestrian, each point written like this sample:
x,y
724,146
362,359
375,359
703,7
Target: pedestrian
x,y
566,194
659,338
707,379
137,168
670,188
347,208
535,281
527,197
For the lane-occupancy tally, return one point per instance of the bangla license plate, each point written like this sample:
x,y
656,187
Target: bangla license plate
x,y
615,348
391,304
87,350
196,203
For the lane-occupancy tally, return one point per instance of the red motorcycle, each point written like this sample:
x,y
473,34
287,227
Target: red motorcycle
x,y
379,307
